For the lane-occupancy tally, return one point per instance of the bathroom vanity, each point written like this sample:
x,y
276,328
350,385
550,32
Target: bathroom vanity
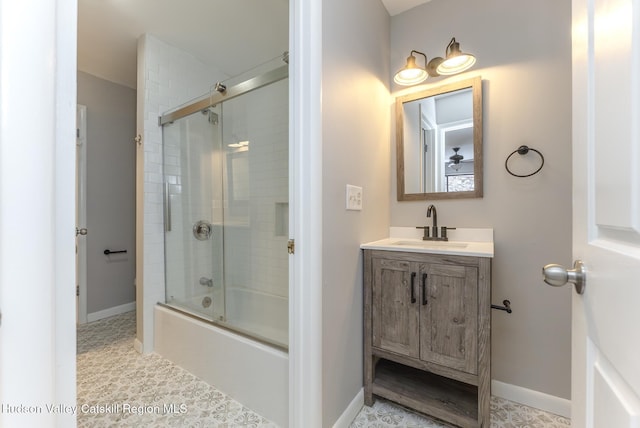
x,y
427,338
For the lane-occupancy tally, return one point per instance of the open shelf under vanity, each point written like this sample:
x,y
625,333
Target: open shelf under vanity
x,y
429,393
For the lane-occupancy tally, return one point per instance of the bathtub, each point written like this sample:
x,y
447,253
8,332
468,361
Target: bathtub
x,y
251,313
261,314
253,373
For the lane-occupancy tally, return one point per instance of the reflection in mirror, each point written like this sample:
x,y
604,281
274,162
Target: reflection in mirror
x,y
439,142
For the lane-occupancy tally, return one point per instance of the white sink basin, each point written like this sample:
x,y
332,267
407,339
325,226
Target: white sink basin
x,y
431,244
463,242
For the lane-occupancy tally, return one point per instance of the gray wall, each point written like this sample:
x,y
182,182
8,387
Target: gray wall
x,y
524,58
111,121
355,127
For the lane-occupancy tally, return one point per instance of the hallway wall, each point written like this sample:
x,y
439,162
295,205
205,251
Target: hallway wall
x,y
111,125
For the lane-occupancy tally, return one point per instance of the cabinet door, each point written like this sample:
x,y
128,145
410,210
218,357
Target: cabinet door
x,y
449,316
394,315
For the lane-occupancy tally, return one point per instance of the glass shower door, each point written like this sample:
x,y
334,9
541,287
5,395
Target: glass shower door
x,y
256,212
226,207
193,215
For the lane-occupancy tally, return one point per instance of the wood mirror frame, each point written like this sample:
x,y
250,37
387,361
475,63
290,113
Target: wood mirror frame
x,y
476,85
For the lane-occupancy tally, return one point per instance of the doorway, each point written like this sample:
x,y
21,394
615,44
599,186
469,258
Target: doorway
x,y
105,187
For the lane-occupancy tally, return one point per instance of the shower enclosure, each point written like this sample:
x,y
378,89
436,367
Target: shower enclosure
x,y
226,207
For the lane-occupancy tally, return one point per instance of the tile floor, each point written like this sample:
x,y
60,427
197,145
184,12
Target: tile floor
x,y
117,387
504,414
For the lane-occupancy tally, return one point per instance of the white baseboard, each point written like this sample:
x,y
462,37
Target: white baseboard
x,y
531,398
137,345
109,312
352,410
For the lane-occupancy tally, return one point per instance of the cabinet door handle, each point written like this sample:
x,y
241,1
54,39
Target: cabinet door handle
x,y
413,291
424,289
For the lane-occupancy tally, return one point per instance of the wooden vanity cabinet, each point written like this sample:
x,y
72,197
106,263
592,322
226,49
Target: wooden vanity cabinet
x,y
427,333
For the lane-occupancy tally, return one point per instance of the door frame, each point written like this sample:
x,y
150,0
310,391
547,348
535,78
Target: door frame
x,y
81,212
37,218
54,32
305,224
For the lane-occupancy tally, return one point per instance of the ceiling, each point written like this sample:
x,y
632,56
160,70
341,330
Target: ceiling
x,y
233,35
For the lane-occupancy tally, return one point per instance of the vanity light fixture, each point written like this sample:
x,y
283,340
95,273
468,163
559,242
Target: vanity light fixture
x,y
455,61
412,73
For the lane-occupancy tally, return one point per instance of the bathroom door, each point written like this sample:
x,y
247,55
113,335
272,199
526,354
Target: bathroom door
x,y
606,212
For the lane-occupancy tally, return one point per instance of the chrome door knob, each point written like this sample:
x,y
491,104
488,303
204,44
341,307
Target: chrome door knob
x,y
557,275
82,231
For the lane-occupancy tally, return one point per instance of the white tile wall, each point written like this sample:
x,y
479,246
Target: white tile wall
x,y
170,77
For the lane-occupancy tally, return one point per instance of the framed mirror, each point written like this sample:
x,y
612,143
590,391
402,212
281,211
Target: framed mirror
x,y
439,142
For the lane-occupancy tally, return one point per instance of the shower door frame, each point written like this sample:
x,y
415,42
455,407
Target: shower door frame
x,y
249,85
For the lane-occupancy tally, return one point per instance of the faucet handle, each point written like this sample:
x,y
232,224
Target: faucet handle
x,y
426,232
443,232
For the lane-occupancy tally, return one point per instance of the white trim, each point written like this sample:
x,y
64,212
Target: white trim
x,y
64,23
37,177
351,412
109,312
139,279
305,184
81,211
531,398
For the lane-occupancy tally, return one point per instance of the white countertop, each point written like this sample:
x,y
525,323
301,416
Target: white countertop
x,y
462,242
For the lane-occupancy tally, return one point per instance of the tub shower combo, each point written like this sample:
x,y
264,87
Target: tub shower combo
x,y
226,204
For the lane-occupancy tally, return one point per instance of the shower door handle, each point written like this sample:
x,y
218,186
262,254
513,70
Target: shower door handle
x,y
167,208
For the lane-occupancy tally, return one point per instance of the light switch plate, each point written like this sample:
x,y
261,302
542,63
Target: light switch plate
x,y
354,197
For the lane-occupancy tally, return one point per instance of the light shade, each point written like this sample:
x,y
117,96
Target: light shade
x,y
456,61
411,73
